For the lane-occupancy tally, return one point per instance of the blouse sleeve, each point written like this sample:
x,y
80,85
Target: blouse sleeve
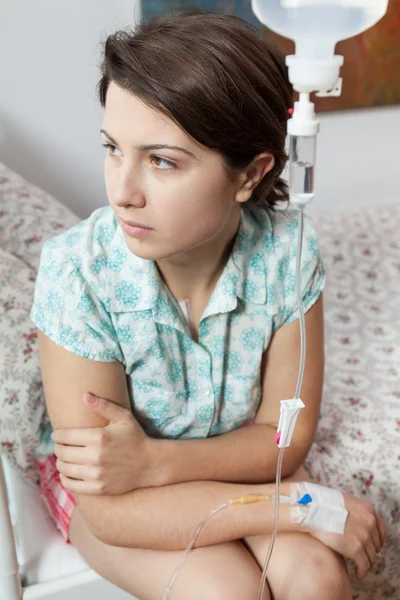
x,y
68,311
313,273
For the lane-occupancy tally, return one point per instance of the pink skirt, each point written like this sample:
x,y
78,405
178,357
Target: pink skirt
x,y
59,501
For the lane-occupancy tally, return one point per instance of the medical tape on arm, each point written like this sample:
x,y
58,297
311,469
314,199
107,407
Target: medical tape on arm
x,y
326,511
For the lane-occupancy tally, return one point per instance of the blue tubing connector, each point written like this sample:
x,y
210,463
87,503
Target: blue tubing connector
x,y
306,499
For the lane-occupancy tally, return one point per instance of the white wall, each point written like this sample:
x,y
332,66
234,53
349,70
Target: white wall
x,y
50,117
358,159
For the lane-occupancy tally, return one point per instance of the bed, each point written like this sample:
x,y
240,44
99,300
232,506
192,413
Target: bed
x,y
357,444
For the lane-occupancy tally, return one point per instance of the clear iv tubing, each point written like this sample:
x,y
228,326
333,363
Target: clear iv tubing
x,y
297,395
275,526
168,589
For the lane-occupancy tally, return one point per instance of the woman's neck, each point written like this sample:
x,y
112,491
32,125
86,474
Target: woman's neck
x,y
194,274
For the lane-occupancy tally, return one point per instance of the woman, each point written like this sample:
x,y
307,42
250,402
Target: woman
x,y
176,307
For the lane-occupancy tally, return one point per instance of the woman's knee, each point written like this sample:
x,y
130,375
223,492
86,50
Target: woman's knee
x,y
323,574
222,572
225,588
226,573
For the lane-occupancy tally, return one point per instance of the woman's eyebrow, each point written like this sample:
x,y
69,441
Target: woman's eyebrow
x,y
151,146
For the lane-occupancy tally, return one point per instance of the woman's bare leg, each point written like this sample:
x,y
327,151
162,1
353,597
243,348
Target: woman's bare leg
x,y
221,572
300,566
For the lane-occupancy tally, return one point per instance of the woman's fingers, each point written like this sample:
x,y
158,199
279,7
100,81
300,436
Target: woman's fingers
x,y
371,522
77,437
80,472
371,552
363,563
381,529
74,454
374,537
82,487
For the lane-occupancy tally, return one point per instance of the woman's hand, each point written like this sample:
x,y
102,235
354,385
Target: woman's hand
x,y
112,460
363,537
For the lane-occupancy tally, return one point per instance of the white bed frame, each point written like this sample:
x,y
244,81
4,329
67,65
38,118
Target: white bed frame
x,y
86,584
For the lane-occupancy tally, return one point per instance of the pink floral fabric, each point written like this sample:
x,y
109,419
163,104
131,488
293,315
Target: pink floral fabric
x,y
28,217
357,447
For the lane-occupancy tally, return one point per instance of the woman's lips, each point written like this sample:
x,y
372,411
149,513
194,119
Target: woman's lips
x,y
135,229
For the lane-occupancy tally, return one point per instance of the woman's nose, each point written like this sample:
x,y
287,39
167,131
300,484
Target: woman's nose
x,y
128,192
136,199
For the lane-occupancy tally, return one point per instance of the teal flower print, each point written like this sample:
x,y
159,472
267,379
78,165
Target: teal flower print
x,y
68,337
233,363
203,369
282,268
252,338
108,355
127,293
292,225
52,271
99,263
124,334
157,350
228,393
185,344
72,239
257,264
54,303
272,242
205,414
192,388
250,289
116,259
157,410
104,234
313,247
86,304
144,385
174,371
218,346
204,327
271,295
229,284
242,241
290,284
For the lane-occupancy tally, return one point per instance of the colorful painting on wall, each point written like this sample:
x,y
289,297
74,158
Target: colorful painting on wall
x,y
371,70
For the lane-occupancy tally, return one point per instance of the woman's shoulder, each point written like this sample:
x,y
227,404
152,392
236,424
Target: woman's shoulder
x,y
271,256
280,243
279,228
86,246
90,235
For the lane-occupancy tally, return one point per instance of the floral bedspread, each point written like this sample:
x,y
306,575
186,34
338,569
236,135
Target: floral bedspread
x,y
357,447
28,217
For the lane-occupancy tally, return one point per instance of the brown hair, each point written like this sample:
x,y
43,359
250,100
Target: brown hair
x,y
216,78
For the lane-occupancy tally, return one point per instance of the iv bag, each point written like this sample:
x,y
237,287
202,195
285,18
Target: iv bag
x,y
317,25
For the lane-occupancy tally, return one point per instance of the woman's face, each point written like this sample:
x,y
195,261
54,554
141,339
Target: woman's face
x,y
181,193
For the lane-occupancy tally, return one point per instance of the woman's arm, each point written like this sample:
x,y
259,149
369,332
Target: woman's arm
x,y
163,518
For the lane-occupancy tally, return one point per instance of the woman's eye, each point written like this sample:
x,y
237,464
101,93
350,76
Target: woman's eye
x,y
110,147
159,161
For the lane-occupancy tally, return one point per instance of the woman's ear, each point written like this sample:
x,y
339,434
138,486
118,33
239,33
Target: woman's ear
x,y
253,174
